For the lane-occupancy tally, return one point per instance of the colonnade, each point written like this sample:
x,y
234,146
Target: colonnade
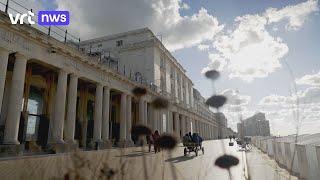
x,y
62,124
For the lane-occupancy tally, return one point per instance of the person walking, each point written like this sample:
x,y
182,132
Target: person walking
x,y
155,137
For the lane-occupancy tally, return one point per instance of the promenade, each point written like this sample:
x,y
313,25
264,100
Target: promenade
x,y
135,163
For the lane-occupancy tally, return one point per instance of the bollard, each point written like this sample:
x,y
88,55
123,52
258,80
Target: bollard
x,y
288,155
279,150
318,156
274,145
270,148
302,161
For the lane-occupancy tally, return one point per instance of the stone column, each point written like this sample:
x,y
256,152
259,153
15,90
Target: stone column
x,y
129,118
155,119
71,109
183,125
123,117
188,128
15,100
4,56
141,111
145,112
98,113
105,114
202,130
160,120
59,108
176,123
207,131
170,121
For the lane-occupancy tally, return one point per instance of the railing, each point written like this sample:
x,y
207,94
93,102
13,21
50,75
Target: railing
x,y
58,33
62,35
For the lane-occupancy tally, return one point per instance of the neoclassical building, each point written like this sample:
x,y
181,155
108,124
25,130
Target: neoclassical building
x,y
54,95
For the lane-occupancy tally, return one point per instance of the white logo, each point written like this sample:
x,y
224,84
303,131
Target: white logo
x,y
14,20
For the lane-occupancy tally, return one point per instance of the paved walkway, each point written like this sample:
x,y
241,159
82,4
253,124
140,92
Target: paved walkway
x,y
138,164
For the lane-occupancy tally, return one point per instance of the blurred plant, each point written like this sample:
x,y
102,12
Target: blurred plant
x,y
226,161
216,101
139,91
212,74
167,142
160,103
140,130
107,172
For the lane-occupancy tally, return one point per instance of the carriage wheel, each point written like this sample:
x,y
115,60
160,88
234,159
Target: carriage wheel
x,y
185,151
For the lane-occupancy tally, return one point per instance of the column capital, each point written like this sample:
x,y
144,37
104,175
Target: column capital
x,y
20,56
3,50
73,75
107,87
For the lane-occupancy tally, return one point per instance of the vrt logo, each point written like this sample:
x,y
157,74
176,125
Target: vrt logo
x,y
45,18
29,15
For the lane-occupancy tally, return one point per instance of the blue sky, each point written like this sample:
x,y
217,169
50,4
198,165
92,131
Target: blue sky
x,y
247,41
304,45
303,56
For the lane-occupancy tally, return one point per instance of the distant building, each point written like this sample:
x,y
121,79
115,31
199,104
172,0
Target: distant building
x,y
224,131
257,125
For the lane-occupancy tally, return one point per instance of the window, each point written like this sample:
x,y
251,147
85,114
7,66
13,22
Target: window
x,y
162,62
35,105
119,43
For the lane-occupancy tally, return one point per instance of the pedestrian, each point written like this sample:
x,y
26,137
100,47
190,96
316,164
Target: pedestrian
x,y
155,137
190,136
149,141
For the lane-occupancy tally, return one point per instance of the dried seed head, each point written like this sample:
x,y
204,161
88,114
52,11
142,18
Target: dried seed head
x,y
212,74
166,141
139,91
140,130
160,103
216,101
107,172
226,161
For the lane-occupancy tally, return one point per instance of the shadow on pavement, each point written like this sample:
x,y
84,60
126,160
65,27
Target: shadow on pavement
x,y
136,154
180,159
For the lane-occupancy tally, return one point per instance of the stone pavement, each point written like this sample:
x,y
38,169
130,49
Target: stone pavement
x,y
138,164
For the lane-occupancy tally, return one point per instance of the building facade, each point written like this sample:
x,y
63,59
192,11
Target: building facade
x,y
54,95
257,125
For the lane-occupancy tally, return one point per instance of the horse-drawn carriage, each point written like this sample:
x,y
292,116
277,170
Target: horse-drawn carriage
x,y
192,147
192,144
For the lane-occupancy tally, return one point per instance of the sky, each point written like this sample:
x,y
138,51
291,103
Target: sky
x,y
267,51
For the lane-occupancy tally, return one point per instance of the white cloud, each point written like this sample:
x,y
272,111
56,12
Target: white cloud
x,y
310,95
103,17
273,100
185,6
203,47
217,63
309,79
295,15
285,115
234,98
250,50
